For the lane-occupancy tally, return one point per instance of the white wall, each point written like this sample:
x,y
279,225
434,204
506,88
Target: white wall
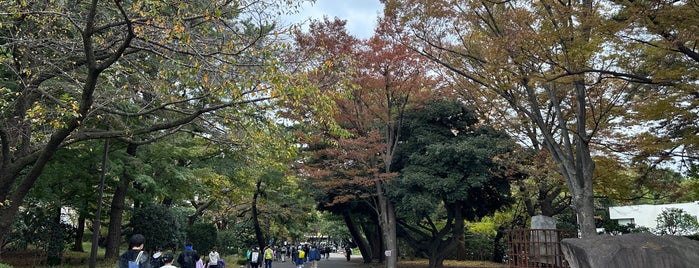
x,y
646,215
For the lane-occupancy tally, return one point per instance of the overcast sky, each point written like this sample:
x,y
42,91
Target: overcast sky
x,y
360,14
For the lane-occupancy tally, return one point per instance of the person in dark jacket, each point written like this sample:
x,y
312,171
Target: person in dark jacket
x,y
135,253
188,258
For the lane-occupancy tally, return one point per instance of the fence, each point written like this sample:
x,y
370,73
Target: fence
x,y
537,248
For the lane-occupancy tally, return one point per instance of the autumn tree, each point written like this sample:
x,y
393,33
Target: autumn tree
x,y
547,61
133,71
385,79
663,37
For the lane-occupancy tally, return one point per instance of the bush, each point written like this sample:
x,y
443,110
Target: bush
x,y
158,224
479,246
3,265
202,236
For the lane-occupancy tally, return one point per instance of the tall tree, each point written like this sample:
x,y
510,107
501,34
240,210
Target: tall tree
x,y
546,60
386,79
130,70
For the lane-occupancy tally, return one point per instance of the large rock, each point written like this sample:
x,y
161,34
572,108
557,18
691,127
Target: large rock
x,y
631,250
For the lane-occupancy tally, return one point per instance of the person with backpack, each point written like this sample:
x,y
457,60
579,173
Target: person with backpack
x,y
269,254
157,260
299,257
314,256
255,257
135,257
189,257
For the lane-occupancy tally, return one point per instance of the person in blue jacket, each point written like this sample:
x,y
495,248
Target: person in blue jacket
x,y
314,256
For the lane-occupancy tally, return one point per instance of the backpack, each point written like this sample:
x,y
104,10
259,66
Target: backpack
x,y
188,259
135,263
254,257
302,254
268,254
157,262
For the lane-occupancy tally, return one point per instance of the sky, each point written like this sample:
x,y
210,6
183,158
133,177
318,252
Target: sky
x,y
360,14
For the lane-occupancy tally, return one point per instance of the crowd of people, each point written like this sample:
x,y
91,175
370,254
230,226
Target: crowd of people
x,y
299,255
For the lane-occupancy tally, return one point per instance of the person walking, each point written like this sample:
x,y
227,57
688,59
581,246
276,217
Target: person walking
x,y
214,257
299,257
135,253
188,257
269,255
255,258
157,260
314,256
348,252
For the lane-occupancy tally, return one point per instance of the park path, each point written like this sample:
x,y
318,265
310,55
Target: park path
x,y
336,260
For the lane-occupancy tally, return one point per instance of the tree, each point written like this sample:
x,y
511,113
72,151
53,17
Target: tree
x,y
547,61
449,172
135,71
663,37
385,79
676,221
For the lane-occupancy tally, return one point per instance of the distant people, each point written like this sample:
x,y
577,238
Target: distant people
x,y
289,250
327,252
157,259
135,253
299,257
168,258
214,257
314,256
348,252
189,257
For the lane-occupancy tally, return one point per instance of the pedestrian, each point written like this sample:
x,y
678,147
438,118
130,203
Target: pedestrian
x,y
327,252
314,256
135,256
188,257
168,258
299,257
157,260
289,249
269,254
255,258
214,257
306,248
348,252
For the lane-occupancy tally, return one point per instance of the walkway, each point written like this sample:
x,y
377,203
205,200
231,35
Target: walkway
x,y
337,260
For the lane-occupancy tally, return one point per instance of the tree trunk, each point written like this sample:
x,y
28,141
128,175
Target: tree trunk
x,y
362,243
116,214
387,221
259,237
372,232
80,231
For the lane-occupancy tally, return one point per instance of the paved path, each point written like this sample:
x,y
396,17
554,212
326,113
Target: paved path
x,y
337,260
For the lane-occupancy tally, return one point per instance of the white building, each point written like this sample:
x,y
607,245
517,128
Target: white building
x,y
646,215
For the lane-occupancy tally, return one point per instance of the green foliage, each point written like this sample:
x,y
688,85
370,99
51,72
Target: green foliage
x,y
676,221
445,157
158,224
3,265
203,236
479,246
613,227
